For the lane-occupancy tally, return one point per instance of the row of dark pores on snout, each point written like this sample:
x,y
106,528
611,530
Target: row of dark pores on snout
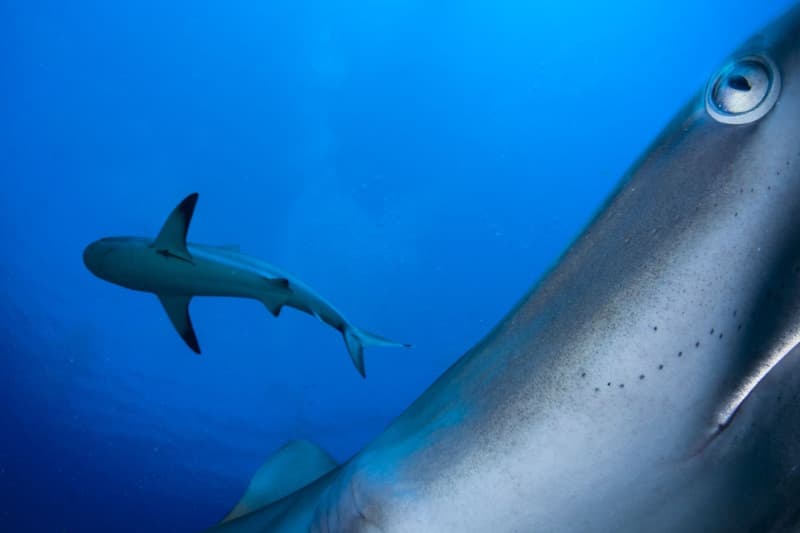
x,y
719,335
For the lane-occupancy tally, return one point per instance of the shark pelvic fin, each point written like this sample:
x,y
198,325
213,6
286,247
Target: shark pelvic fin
x,y
277,294
171,240
177,308
292,467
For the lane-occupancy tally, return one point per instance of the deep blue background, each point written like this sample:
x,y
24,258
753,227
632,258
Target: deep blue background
x,y
419,163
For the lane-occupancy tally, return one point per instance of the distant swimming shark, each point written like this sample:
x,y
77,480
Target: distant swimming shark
x,y
176,272
649,383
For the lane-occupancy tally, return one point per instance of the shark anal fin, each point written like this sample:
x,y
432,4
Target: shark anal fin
x,y
276,294
177,308
171,240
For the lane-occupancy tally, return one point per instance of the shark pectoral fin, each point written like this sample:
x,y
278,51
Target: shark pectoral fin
x,y
276,295
292,467
177,308
171,240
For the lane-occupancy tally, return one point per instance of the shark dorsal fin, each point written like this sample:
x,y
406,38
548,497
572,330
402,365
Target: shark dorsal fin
x,y
171,240
295,465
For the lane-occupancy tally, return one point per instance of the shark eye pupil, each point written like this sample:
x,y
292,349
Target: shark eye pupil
x,y
743,91
739,83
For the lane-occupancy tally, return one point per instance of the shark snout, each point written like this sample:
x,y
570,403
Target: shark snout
x,y
94,255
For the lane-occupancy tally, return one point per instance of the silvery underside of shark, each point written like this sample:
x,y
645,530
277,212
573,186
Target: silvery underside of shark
x,y
649,383
177,271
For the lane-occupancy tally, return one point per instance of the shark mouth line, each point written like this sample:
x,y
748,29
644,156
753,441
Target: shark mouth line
x,y
729,411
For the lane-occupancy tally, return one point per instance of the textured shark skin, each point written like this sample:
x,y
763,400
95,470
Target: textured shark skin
x,y
650,382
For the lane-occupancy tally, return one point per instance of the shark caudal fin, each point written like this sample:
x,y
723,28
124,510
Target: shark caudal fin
x,y
357,339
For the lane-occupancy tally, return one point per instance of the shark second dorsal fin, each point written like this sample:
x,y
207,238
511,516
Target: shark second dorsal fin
x,y
295,465
229,248
171,240
177,308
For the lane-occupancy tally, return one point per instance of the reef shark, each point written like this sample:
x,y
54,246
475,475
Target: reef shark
x,y
176,272
648,383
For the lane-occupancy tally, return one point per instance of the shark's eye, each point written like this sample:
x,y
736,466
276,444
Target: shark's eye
x,y
744,90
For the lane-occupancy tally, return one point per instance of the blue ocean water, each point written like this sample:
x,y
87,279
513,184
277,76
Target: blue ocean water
x,y
420,164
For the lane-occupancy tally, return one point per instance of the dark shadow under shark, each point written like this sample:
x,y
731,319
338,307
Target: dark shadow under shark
x,y
649,382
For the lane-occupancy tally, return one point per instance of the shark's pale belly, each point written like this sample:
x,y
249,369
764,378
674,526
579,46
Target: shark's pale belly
x,y
649,383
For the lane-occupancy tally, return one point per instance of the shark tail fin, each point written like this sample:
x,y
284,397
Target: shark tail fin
x,y
356,339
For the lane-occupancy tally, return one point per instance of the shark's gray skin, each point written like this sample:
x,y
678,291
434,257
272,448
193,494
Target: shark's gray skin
x,y
176,272
650,382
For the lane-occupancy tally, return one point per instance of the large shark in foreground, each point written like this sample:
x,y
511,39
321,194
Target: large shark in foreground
x,y
176,272
649,383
